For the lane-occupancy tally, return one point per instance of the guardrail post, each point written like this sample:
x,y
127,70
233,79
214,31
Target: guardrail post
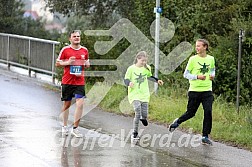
x,y
8,52
53,62
29,58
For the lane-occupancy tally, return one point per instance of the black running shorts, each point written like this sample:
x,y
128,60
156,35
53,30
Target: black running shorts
x,y
70,91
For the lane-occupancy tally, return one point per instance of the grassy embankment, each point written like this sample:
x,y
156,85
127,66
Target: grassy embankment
x,y
228,126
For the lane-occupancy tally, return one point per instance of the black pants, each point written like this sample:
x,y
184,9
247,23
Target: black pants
x,y
195,98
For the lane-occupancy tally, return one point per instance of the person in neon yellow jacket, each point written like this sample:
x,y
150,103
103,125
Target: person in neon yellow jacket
x,y
136,78
200,71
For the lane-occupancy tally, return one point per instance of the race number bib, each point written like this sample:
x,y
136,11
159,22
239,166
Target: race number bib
x,y
76,70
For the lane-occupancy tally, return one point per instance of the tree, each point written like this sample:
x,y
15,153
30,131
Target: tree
x,y
100,11
78,23
218,21
13,22
11,16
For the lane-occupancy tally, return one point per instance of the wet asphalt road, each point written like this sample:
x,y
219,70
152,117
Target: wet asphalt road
x,y
30,136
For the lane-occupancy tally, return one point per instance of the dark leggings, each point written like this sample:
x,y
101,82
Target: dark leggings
x,y
195,98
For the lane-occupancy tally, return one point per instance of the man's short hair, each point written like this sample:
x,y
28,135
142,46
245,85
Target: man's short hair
x,y
74,31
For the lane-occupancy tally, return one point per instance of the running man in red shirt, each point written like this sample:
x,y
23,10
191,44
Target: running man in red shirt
x,y
74,58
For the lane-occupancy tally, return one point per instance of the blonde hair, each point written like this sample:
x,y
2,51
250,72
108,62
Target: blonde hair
x,y
205,43
139,56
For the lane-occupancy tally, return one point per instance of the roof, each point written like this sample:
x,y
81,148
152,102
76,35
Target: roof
x,y
33,14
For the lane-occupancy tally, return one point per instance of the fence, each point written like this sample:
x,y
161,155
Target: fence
x,y
33,54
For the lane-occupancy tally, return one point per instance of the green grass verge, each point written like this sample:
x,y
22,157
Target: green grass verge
x,y
228,126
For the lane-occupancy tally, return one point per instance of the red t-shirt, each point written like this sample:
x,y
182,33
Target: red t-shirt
x,y
74,74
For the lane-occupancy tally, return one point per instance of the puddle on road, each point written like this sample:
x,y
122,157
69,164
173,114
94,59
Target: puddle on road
x,y
101,150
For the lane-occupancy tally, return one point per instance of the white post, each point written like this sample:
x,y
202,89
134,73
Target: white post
x,y
241,35
157,43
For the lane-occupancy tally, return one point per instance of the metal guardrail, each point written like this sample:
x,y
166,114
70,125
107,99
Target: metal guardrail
x,y
33,54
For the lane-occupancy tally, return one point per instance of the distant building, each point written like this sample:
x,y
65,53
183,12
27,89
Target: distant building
x,y
36,9
38,6
32,14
